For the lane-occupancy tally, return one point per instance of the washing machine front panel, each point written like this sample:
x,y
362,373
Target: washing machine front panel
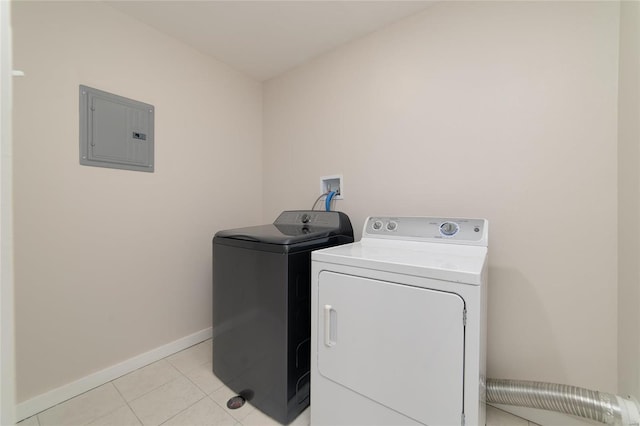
x,y
378,338
261,294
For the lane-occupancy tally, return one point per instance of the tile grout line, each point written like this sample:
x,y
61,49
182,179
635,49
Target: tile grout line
x,y
153,390
180,375
190,381
182,411
208,395
145,393
127,402
112,411
196,385
37,415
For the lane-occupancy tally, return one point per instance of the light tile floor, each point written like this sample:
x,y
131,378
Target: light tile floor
x,y
179,390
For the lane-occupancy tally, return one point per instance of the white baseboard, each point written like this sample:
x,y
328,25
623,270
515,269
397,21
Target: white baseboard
x,y
545,418
56,396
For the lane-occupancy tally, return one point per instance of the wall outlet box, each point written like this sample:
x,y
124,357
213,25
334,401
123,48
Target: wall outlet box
x,y
332,183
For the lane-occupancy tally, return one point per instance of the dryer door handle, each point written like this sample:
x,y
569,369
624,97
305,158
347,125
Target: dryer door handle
x,y
328,309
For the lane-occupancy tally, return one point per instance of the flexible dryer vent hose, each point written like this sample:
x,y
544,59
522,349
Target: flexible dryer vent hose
x,y
589,404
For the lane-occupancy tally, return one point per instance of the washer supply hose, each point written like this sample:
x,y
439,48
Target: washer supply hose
x,y
589,404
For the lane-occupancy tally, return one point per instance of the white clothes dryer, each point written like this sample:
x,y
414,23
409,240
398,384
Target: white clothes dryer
x,y
398,325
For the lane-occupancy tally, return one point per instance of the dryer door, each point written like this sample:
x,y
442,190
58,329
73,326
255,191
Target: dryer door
x,y
400,346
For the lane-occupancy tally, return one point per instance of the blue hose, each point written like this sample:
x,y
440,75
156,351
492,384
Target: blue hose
x,y
327,201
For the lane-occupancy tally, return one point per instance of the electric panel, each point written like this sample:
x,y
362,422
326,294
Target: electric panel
x,y
115,131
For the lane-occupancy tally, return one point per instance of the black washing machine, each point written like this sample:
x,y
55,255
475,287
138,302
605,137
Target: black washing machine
x,y
262,307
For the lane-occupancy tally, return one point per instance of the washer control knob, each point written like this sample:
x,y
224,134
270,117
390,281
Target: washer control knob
x,y
305,218
377,225
449,229
392,226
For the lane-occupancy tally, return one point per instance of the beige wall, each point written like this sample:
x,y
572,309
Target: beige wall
x,y
500,110
112,263
629,199
503,110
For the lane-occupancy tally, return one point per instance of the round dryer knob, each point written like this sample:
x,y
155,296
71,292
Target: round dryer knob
x,y
449,229
377,225
305,218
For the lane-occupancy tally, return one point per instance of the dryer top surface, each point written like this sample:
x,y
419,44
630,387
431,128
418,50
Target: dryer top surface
x,y
448,262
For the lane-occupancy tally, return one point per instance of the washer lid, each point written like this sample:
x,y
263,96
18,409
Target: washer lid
x,y
447,262
278,234
294,226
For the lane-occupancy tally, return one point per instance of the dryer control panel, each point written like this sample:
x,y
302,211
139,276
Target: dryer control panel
x,y
434,229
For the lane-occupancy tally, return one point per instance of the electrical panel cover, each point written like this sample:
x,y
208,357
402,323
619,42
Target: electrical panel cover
x,y
115,131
